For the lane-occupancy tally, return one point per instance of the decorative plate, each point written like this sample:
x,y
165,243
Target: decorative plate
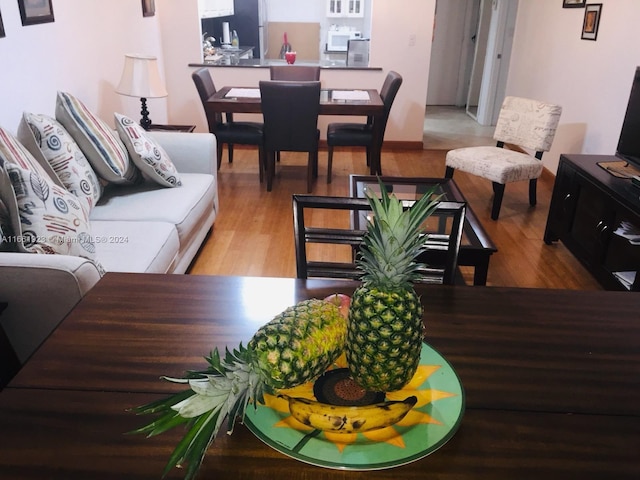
x,y
428,426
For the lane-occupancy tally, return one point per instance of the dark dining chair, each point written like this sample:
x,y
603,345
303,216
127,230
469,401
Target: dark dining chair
x,y
295,73
290,111
341,222
362,134
227,130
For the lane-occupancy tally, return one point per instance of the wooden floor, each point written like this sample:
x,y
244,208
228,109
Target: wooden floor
x,y
253,234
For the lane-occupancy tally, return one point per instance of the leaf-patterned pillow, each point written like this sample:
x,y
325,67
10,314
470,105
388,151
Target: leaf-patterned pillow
x,y
46,217
52,146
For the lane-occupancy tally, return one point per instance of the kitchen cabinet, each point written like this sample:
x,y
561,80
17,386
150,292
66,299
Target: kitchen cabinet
x,y
215,8
345,8
597,217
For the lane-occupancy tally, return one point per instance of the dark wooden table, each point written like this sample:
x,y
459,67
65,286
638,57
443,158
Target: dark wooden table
x,y
551,379
374,107
476,247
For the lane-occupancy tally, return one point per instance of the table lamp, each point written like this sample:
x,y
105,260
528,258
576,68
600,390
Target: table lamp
x,y
141,78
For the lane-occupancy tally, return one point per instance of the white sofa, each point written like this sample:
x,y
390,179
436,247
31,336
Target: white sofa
x,y
142,228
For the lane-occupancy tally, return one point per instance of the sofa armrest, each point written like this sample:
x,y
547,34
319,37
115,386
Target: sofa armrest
x,y
190,152
40,290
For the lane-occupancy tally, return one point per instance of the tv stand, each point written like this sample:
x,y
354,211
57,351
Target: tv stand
x,y
597,217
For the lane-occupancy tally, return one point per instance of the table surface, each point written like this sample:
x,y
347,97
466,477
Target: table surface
x,y
374,106
551,380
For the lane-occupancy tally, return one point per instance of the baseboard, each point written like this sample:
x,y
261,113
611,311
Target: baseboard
x,y
396,145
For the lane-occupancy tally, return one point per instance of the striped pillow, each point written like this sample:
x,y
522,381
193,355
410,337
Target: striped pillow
x,y
100,144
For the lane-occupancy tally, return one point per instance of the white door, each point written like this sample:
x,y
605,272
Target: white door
x,y
491,61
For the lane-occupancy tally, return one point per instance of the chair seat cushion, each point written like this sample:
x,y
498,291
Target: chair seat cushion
x,y
245,133
499,165
349,134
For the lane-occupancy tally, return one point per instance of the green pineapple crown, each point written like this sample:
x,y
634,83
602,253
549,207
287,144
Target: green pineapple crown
x,y
394,239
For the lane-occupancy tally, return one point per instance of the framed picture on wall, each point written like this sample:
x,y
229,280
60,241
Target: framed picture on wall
x,y
592,14
33,12
573,3
1,26
148,8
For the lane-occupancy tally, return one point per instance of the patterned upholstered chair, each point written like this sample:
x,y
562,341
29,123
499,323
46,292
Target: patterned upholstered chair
x,y
524,123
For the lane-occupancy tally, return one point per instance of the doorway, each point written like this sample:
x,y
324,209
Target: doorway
x,y
471,50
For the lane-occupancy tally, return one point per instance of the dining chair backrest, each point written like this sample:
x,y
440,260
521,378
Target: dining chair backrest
x,y
296,73
388,94
290,111
206,88
346,231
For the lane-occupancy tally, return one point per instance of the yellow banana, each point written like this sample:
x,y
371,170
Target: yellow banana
x,y
349,419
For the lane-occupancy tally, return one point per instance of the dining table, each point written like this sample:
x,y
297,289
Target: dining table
x,y
550,382
333,101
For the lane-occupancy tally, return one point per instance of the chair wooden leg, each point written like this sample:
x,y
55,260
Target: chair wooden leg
x,y
498,193
261,162
310,169
329,164
230,153
532,191
448,173
219,153
270,159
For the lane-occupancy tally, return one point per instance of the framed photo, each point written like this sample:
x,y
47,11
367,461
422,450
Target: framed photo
x,y
148,8
1,27
592,14
33,12
573,3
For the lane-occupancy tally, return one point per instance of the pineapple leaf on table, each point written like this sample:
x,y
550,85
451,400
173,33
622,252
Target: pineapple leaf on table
x,y
296,346
384,331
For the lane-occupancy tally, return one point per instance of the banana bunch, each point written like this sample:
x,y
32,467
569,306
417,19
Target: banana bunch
x,y
349,419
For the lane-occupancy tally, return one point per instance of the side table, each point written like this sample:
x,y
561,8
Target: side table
x,y
172,128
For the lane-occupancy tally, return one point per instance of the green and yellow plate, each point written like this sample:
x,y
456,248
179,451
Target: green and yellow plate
x,y
428,426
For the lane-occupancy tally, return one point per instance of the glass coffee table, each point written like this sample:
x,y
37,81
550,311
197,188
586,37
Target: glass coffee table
x,y
476,247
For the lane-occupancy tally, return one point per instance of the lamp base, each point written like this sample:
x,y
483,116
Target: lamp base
x,y
145,121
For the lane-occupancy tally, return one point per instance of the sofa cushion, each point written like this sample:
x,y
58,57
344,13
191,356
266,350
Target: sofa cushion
x,y
185,207
138,247
12,151
45,217
100,144
146,153
51,145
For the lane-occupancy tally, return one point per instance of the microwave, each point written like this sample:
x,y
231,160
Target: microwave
x,y
338,40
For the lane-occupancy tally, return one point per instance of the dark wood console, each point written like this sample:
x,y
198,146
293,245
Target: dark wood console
x,y
597,216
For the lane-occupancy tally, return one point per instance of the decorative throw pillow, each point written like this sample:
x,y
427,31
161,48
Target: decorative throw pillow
x,y
7,241
46,218
100,144
12,151
145,152
52,145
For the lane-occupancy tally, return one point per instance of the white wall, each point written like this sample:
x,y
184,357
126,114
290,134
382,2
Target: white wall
x,y
82,52
590,79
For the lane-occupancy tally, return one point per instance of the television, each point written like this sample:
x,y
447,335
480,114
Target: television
x,y
629,142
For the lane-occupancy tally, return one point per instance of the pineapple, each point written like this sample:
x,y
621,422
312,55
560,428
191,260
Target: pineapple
x,y
384,330
295,347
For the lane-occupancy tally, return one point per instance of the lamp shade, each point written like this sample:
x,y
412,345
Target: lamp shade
x,y
141,77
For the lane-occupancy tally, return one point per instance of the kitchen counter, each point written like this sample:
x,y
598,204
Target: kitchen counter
x,y
266,63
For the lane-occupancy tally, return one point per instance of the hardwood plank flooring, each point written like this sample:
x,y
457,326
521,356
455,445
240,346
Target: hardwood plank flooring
x,y
253,234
